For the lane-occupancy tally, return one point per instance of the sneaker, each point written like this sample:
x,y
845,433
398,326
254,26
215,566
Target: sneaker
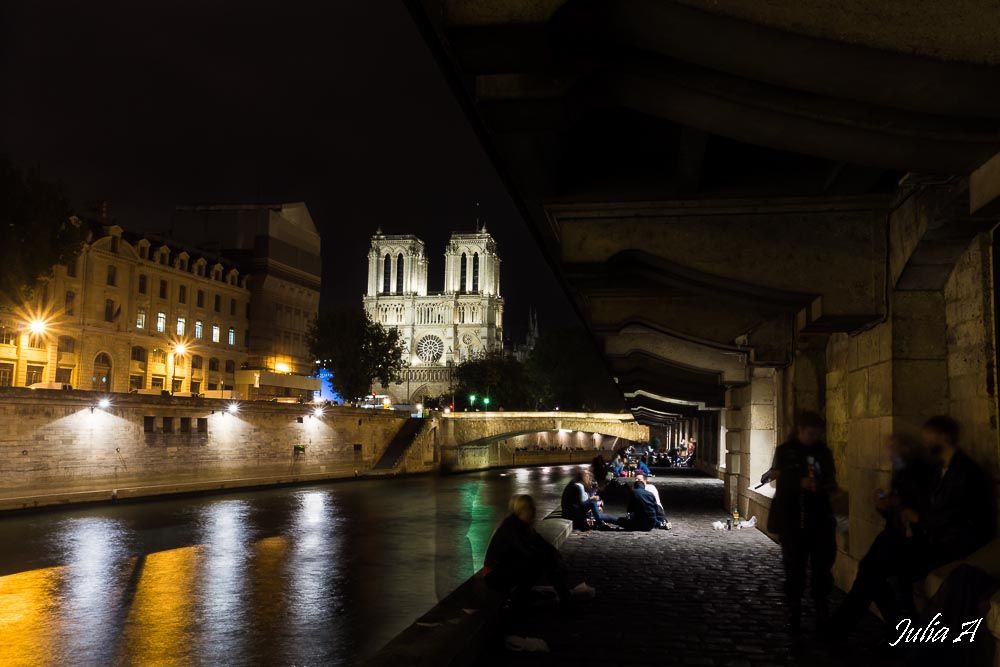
x,y
669,525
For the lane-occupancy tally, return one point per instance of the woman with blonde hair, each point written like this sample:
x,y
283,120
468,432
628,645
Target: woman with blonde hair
x,y
519,558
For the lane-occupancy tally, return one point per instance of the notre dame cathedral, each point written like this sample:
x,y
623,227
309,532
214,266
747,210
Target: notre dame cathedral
x,y
439,329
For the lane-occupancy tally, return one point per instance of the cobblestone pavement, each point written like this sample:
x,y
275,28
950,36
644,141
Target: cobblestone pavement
x,y
690,596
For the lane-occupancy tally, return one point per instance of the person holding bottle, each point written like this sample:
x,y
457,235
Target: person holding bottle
x,y
802,516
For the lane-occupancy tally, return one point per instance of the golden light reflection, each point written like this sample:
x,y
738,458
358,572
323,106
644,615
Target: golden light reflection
x,y
161,621
28,615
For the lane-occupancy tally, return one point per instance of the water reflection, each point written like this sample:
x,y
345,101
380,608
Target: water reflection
x,y
321,575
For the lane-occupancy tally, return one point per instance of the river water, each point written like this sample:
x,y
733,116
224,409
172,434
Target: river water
x,y
318,575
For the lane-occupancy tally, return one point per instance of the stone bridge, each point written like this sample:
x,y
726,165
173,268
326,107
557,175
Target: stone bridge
x,y
476,440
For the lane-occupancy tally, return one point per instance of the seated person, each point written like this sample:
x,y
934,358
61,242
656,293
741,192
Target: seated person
x,y
618,466
643,467
600,468
578,504
656,494
956,518
518,558
643,512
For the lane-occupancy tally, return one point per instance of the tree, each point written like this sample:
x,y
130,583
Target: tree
x,y
498,377
37,230
570,373
356,350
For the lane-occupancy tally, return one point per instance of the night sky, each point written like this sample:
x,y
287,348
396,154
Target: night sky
x,y
338,104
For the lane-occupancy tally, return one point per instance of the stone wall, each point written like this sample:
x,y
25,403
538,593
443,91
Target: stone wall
x,y
545,448
969,319
65,440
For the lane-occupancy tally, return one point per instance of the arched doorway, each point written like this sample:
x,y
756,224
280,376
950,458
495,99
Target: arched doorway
x,y
101,378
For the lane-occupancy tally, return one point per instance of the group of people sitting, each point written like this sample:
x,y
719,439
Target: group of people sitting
x,y
582,504
623,464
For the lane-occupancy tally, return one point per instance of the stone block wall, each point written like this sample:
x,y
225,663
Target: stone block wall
x,y
65,440
971,362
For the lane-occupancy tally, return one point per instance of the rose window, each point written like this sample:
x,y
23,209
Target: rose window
x,y
430,349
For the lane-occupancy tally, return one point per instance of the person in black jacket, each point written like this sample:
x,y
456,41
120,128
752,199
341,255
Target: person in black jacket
x,y
954,516
518,558
960,514
802,516
643,512
910,488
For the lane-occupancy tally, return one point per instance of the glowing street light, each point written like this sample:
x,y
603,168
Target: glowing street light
x,y
318,412
486,402
104,403
233,408
472,399
180,348
37,326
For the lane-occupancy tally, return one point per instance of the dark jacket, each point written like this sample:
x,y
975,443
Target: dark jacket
x,y
960,515
516,545
572,505
643,510
791,503
911,488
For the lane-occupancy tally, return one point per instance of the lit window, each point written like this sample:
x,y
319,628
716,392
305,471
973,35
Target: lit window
x,y
198,329
161,322
215,333
140,319
232,336
181,325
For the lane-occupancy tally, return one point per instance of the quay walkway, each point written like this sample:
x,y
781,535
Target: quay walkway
x,y
688,596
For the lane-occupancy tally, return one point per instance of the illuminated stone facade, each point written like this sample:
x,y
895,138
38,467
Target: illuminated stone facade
x,y
439,329
131,314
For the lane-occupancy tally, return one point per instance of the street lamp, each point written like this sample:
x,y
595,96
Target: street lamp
x,y
486,402
472,399
37,326
179,349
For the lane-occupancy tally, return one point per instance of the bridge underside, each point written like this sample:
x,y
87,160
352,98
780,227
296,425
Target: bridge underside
x,y
757,209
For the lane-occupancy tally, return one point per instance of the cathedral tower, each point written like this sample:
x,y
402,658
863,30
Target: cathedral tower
x,y
396,265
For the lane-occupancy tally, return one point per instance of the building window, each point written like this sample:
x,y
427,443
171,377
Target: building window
x,y
140,318
139,354
135,383
399,273
7,336
202,424
161,322
168,424
475,272
64,375
462,272
109,310
158,356
149,424
216,333
195,387
142,284
185,424
182,294
157,382
36,342
218,303
114,244
230,366
197,362
386,274
70,303
112,275
213,364
35,374
6,375
71,268
163,289
181,326
67,344
231,339
232,306
199,329
176,385
201,298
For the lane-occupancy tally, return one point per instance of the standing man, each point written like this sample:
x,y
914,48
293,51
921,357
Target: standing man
x,y
802,516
